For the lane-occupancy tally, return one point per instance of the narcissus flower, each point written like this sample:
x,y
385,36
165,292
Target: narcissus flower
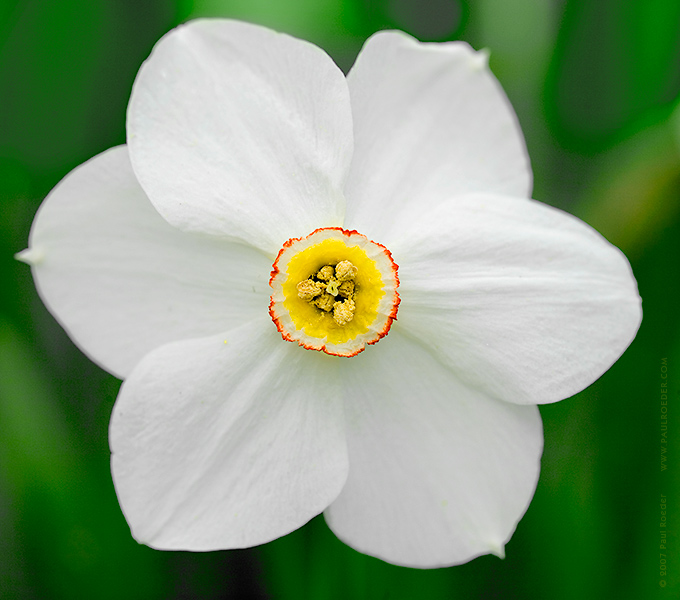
x,y
326,294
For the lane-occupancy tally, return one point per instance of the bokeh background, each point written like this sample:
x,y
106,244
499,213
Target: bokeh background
x,y
595,84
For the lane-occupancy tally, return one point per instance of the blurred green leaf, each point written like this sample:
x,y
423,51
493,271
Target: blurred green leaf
x,y
48,66
520,36
65,516
614,61
635,191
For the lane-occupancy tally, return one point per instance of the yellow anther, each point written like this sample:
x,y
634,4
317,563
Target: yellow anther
x,y
323,288
324,302
345,270
309,289
343,312
325,273
346,289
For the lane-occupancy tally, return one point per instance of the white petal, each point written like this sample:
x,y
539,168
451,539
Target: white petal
x,y
439,472
121,281
430,123
236,129
521,300
227,442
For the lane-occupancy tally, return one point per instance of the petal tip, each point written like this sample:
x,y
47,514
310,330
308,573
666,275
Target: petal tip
x,y
30,256
479,61
497,549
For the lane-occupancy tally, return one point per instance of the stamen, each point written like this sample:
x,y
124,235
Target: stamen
x,y
325,273
340,282
324,302
346,289
309,289
343,312
345,270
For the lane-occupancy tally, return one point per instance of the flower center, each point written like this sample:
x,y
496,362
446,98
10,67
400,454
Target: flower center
x,y
334,291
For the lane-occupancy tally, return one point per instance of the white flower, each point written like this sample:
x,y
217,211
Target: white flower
x,y
423,449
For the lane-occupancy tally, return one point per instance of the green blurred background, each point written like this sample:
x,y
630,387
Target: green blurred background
x,y
595,84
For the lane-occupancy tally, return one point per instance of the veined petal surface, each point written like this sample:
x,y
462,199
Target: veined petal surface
x,y
521,300
227,442
122,281
439,472
431,122
236,129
